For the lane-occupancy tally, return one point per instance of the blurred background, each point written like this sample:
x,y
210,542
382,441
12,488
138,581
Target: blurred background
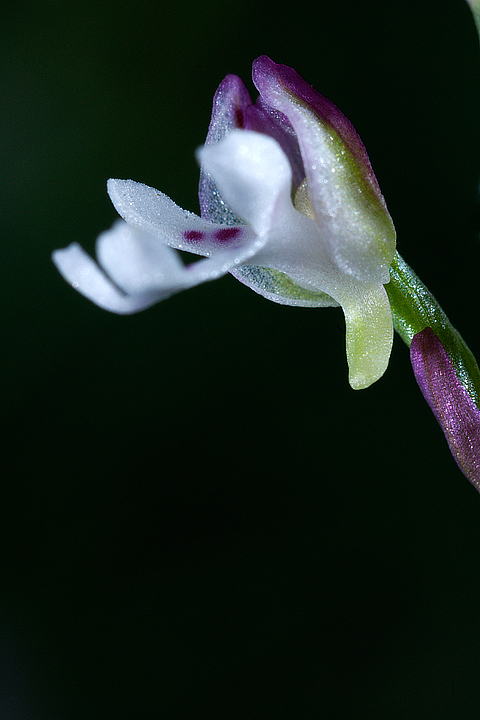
x,y
198,516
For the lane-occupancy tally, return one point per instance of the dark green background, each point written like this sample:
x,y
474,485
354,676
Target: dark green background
x,y
198,516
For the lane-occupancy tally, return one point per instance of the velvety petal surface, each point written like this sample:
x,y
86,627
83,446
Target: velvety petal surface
x,y
135,270
253,174
451,404
150,210
268,121
232,110
274,81
343,192
84,275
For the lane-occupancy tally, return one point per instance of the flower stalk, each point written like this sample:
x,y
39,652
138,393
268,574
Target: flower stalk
x,y
414,308
444,366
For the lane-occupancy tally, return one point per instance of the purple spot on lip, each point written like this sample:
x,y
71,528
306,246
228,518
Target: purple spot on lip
x,y
239,117
193,235
226,234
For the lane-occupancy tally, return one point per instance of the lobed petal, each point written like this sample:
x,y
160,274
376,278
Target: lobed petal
x,y
83,273
451,404
137,262
135,270
343,191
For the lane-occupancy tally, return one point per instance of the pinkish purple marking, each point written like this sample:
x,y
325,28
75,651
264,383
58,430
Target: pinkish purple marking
x,y
193,235
226,234
239,118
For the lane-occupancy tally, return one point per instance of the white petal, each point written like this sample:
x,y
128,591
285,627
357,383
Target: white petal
x,y
252,173
136,269
78,268
139,263
136,261
150,210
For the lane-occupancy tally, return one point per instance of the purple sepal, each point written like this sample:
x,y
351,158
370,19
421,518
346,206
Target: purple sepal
x,y
451,404
228,113
233,109
270,78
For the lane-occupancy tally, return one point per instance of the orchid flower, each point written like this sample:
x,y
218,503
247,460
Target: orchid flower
x,y
289,206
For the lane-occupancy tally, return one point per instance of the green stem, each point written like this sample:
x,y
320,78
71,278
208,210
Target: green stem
x,y
414,308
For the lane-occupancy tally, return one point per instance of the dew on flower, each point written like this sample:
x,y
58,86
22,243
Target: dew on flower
x,y
277,220
193,235
226,234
